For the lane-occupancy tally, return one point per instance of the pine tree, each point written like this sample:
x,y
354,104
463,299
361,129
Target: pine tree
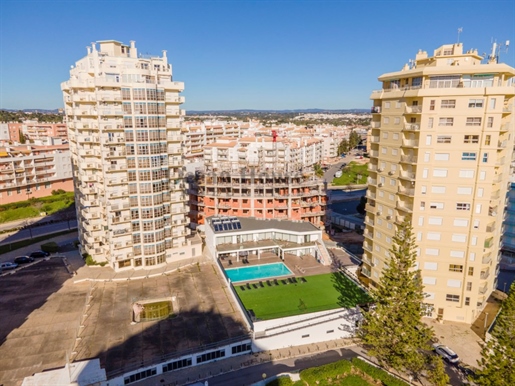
x,y
498,355
394,332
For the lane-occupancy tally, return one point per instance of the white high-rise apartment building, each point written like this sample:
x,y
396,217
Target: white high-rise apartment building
x,y
441,145
124,126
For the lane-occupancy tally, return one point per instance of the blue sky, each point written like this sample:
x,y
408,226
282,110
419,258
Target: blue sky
x,y
243,54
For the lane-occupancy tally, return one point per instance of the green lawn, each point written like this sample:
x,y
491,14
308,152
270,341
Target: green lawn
x,y
33,207
350,174
319,293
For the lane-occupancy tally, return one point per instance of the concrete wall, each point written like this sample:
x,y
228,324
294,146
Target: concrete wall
x,y
297,330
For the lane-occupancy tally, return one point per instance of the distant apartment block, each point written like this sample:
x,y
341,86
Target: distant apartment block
x,y
264,178
33,171
36,130
441,146
198,134
124,125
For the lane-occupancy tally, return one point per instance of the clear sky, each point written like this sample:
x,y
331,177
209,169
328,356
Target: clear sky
x,y
243,54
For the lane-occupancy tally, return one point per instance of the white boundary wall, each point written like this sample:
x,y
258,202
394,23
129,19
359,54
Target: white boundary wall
x,y
305,329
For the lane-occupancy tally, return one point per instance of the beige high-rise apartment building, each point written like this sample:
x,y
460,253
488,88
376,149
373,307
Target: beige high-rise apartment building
x,y
124,125
441,145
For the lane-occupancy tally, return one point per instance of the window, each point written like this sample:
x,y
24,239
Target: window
x,y
385,135
488,138
471,271
475,103
443,139
448,104
241,348
466,156
469,286
471,139
396,121
462,206
177,365
440,173
452,298
445,121
430,122
485,157
492,103
416,82
386,105
455,268
386,120
444,81
436,205
210,356
476,121
432,104
467,301
442,156
395,136
490,122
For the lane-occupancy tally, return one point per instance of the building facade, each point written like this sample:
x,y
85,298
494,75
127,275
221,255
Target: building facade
x,y
33,171
441,146
261,178
124,127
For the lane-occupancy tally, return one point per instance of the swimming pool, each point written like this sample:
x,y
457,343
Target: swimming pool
x,y
257,272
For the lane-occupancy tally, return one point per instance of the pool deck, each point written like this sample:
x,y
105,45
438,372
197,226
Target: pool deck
x,y
299,265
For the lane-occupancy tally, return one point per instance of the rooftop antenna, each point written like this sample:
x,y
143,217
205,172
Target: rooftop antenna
x,y
460,30
496,50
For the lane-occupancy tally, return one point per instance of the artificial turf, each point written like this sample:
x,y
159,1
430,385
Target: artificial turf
x,y
319,293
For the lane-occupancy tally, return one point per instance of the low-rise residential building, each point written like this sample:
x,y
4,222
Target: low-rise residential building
x,y
34,171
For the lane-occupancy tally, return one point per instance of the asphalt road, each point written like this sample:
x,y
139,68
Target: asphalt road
x,y
250,375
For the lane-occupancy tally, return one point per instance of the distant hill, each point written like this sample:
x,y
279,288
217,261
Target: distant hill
x,y
42,111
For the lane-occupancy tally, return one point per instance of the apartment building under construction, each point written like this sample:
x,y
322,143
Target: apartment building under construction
x,y
263,178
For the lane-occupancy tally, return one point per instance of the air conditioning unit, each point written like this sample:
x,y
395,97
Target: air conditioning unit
x,y
388,217
391,173
380,184
379,213
380,169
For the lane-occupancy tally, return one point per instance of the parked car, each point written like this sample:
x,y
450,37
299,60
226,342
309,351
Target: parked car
x,y
8,265
446,353
23,259
37,254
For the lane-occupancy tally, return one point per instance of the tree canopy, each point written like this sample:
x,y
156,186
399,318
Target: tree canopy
x,y
498,355
394,332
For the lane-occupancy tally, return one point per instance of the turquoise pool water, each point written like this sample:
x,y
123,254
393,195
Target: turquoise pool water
x,y
257,272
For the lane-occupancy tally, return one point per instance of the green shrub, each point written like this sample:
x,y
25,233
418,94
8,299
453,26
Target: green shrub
x,y
281,381
322,373
90,261
50,247
377,373
354,380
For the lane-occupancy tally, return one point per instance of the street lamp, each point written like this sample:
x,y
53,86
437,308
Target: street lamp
x,y
29,192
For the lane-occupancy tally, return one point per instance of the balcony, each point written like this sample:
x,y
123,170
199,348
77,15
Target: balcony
x,y
366,272
406,191
413,109
374,154
375,110
410,143
483,290
404,207
117,167
374,139
375,125
410,176
487,259
400,219
411,127
407,159
500,161
484,275
502,144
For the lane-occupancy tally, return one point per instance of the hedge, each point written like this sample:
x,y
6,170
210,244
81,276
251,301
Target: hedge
x,y
377,373
322,373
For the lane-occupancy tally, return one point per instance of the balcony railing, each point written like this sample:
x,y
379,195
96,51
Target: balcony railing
x,y
411,127
413,109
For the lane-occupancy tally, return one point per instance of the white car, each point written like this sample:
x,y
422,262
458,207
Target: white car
x,y
446,353
8,265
